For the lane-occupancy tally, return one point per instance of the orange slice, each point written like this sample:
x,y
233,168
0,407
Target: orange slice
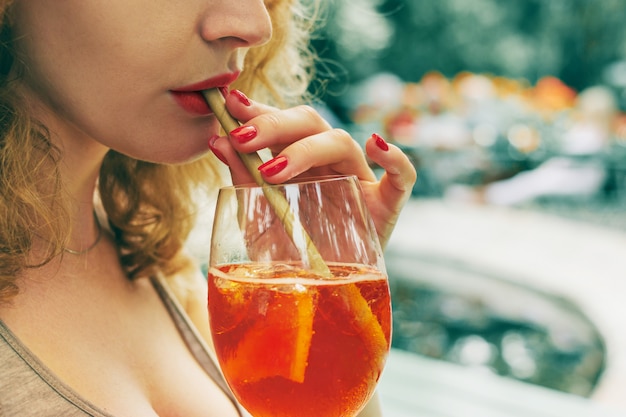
x,y
367,323
278,343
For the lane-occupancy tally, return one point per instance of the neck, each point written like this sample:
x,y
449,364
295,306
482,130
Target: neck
x,y
86,249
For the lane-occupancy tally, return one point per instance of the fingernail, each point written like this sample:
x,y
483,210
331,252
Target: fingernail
x,y
244,134
215,151
380,142
273,166
243,99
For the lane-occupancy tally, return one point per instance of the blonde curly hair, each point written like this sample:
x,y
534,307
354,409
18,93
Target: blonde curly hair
x,y
150,207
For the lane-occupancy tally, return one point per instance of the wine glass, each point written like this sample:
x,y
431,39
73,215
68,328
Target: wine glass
x,y
299,302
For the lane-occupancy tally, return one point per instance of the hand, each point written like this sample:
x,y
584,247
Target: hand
x,y
305,145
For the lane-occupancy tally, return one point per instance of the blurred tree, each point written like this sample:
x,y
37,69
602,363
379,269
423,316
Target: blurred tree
x,y
574,40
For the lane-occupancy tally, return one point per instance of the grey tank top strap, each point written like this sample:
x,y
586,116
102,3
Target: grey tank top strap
x,y
194,341
29,388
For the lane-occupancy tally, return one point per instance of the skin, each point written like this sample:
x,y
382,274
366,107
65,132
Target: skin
x,y
96,78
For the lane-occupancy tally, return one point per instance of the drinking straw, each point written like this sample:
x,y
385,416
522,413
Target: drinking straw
x,y
278,202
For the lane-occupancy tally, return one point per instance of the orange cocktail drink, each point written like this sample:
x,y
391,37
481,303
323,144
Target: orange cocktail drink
x,y
298,297
293,344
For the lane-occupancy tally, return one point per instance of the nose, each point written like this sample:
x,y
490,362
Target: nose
x,y
243,23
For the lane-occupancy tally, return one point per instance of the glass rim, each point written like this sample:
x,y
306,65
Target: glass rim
x,y
294,181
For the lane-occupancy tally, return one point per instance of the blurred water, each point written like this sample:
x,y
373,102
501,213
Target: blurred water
x,y
556,347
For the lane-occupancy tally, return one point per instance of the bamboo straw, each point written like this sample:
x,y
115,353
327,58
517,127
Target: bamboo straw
x,y
252,161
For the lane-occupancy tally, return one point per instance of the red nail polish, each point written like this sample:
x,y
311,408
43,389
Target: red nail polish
x,y
244,134
380,142
215,151
273,166
241,97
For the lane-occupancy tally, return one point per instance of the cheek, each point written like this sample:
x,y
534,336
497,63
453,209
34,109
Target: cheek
x,y
100,76
83,49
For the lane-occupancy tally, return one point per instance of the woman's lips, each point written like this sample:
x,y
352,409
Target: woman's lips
x,y
192,102
190,98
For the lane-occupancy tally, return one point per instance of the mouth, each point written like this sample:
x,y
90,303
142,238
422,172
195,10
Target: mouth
x,y
190,98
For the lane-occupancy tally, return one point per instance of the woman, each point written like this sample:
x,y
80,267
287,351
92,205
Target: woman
x,y
101,114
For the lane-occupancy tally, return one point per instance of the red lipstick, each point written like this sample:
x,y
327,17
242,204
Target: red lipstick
x,y
189,97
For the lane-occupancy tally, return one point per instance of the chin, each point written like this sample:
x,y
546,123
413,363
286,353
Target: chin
x,y
178,158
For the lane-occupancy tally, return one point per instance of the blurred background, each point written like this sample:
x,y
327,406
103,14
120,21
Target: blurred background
x,y
478,92
510,256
